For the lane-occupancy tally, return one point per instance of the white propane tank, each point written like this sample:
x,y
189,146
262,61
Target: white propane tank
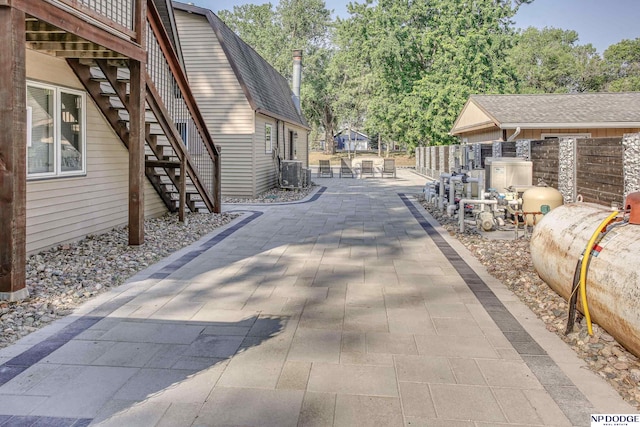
x,y
613,278
535,198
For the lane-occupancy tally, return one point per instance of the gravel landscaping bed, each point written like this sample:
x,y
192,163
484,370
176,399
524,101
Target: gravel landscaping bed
x,y
61,278
275,195
510,262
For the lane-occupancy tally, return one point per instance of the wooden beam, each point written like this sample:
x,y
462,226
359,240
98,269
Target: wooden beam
x,y
63,45
136,108
111,74
217,190
47,36
183,189
13,155
87,54
76,25
165,164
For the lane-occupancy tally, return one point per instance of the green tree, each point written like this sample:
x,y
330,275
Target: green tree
x,y
551,61
427,57
275,32
623,64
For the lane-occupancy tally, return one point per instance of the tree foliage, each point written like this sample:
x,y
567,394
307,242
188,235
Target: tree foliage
x,y
622,61
427,57
551,61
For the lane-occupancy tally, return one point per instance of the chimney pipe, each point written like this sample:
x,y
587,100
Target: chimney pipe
x,y
297,74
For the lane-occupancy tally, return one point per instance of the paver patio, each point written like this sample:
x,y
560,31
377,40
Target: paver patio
x,y
349,309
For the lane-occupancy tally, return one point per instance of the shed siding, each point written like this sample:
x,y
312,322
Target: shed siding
x,y
494,134
66,209
224,106
595,133
302,145
266,164
472,116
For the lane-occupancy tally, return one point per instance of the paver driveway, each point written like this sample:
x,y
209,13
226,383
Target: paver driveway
x,y
349,309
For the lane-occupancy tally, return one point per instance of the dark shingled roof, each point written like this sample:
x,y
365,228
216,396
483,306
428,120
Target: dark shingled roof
x,y
579,108
166,14
266,90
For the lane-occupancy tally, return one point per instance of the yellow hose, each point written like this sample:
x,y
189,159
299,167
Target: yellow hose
x,y
583,269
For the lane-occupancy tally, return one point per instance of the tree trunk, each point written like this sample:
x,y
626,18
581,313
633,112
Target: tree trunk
x,y
327,122
379,146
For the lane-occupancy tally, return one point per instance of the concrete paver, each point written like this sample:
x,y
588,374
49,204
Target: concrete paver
x,y
347,310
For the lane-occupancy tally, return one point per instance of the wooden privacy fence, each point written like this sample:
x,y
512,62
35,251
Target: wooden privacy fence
x,y
601,170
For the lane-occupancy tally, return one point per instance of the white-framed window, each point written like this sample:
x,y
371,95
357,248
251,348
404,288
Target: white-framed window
x,y
56,131
564,135
183,130
268,138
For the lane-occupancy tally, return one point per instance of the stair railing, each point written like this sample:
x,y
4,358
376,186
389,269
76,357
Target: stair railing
x,y
116,15
169,95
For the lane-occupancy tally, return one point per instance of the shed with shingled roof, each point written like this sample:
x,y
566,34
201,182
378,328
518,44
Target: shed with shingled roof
x,y
487,118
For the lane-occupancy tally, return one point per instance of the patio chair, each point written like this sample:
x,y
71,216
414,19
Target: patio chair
x,y
389,167
345,168
367,167
325,169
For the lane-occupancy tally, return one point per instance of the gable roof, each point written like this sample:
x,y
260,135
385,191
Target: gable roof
x,y
353,131
267,91
165,11
540,111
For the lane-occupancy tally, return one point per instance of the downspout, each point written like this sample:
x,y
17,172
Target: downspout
x,y
516,133
277,153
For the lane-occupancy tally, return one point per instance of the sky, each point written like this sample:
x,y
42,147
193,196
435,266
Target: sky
x,y
599,22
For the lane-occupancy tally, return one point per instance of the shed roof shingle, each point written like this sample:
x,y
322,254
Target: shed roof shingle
x,y
582,108
267,91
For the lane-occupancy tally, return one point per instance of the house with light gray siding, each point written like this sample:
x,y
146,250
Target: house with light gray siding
x,y
247,105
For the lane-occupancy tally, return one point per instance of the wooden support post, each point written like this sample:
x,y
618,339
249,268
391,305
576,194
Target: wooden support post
x,y
183,189
137,131
13,155
217,185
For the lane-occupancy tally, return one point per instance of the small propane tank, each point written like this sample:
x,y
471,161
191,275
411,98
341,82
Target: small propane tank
x,y
540,199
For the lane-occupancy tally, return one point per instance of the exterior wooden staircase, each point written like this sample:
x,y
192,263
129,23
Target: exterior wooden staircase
x,y
181,161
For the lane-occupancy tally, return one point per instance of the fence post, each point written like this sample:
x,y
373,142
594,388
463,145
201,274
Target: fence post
x,y
631,162
567,169
496,149
452,158
432,161
523,148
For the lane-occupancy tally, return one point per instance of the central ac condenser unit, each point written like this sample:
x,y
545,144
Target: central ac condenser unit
x,y
291,174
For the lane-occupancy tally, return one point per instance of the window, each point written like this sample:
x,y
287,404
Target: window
x,y
55,131
268,141
183,130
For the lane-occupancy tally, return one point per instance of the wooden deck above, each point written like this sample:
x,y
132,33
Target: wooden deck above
x,y
81,29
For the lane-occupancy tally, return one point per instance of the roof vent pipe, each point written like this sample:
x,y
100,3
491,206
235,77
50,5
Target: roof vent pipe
x,y
297,75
